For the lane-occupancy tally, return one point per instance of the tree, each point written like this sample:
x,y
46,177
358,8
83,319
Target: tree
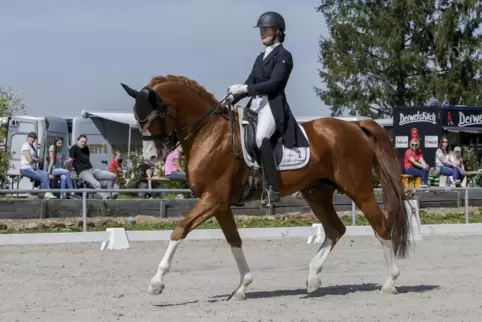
x,y
457,54
13,103
382,54
10,104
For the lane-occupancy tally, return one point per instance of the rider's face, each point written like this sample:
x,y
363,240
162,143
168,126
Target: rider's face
x,y
267,35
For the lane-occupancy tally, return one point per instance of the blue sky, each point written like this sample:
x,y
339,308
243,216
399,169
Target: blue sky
x,y
66,56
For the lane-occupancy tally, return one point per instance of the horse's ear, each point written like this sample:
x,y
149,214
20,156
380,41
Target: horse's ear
x,y
131,92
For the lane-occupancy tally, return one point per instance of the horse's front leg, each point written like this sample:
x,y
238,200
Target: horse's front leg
x,y
202,211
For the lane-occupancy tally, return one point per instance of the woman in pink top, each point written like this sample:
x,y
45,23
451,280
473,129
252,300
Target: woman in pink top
x,y
172,167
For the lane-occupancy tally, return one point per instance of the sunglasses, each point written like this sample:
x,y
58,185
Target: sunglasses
x,y
414,144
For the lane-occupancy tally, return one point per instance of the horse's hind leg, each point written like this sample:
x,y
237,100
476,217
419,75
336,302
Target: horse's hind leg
x,y
320,199
369,206
230,231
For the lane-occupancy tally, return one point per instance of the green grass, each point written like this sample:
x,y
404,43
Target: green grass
x,y
295,220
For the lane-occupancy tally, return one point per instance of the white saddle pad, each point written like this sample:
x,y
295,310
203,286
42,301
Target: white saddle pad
x,y
293,159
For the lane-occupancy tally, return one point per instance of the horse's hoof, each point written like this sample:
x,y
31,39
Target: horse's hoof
x,y
239,296
155,288
312,284
388,289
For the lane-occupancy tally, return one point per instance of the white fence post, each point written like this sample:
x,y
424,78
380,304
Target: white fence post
x,y
353,213
84,211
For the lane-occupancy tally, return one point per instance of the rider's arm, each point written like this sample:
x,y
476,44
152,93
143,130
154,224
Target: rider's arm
x,y
279,77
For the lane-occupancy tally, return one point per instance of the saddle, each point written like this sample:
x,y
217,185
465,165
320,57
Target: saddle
x,y
250,124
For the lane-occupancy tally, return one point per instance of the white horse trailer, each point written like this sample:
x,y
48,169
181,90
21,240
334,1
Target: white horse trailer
x,y
47,128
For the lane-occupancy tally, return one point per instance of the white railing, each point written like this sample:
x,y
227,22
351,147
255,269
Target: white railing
x,y
84,193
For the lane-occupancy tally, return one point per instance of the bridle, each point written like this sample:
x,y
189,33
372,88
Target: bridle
x,y
161,111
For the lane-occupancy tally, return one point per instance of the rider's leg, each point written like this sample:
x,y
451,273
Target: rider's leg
x,y
265,129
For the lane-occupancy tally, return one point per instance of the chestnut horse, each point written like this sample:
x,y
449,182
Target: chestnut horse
x,y
342,157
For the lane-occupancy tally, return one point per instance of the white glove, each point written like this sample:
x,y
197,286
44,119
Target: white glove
x,y
238,89
228,102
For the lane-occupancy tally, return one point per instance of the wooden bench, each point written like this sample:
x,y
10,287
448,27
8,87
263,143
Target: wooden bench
x,y
413,182
469,179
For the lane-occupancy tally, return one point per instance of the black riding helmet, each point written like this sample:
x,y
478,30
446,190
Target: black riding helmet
x,y
271,19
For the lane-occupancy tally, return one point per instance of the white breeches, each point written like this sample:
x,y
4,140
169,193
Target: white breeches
x,y
266,125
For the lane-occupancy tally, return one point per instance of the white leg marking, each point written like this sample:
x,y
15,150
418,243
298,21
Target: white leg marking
x,y
392,267
313,282
157,284
244,274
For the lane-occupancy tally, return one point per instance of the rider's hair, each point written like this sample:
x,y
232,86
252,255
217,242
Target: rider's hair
x,y
281,36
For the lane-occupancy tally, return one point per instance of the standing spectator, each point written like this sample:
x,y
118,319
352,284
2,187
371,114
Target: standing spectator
x,y
80,155
172,167
29,165
414,163
57,156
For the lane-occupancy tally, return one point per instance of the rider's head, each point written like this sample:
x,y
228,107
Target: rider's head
x,y
271,28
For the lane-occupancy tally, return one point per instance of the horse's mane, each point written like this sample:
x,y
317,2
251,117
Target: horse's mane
x,y
192,84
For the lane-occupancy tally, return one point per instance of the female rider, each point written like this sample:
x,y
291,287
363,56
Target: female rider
x,y
266,86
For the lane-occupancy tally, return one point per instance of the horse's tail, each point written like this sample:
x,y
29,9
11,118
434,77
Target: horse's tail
x,y
389,171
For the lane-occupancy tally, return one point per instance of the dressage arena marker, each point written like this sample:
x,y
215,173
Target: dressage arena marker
x,y
117,239
411,207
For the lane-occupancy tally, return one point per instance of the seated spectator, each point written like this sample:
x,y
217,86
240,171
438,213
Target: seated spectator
x,y
29,165
442,159
80,156
458,165
144,172
414,163
116,166
57,156
172,167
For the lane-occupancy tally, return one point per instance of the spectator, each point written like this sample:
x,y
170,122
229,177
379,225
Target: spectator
x,y
414,163
116,165
145,172
29,165
57,156
458,165
172,167
442,159
80,156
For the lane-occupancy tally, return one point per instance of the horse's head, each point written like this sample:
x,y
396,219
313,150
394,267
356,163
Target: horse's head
x,y
165,108
158,136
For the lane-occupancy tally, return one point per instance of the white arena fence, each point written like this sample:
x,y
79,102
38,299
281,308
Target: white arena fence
x,y
118,238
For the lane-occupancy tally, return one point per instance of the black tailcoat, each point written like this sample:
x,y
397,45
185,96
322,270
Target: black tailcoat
x,y
269,77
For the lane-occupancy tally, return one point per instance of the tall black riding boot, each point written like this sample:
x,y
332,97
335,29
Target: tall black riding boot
x,y
270,172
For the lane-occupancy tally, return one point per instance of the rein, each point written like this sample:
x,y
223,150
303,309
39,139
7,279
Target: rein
x,y
161,110
200,121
